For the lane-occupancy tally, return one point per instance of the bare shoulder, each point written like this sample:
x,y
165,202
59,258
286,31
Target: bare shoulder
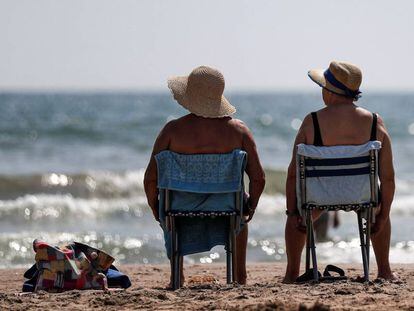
x,y
167,132
380,121
180,120
364,114
243,130
239,126
169,127
381,129
174,125
363,111
238,123
306,130
307,123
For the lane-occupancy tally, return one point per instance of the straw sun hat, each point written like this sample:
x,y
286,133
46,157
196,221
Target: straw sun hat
x,y
341,78
201,93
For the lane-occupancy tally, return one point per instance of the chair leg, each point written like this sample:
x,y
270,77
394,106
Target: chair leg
x,y
362,238
307,267
171,222
177,264
310,247
233,248
313,248
175,258
178,260
179,269
229,255
368,236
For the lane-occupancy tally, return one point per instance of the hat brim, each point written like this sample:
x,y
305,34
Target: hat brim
x,y
200,106
317,76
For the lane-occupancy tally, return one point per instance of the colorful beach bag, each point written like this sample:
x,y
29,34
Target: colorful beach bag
x,y
73,266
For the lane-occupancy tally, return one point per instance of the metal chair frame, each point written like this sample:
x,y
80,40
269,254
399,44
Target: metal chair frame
x,y
173,228
365,215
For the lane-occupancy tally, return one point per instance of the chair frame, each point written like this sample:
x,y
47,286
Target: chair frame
x,y
234,227
365,215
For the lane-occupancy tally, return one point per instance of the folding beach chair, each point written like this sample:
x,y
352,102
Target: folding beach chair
x,y
200,204
338,178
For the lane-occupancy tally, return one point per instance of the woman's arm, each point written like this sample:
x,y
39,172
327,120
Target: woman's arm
x,y
254,168
386,176
150,179
291,174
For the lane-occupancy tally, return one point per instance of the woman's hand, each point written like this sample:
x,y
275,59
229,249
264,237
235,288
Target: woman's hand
x,y
248,209
251,212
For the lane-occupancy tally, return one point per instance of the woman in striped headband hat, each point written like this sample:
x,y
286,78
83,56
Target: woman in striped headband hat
x,y
340,78
341,122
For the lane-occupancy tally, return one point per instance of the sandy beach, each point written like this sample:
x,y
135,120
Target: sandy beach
x,y
264,291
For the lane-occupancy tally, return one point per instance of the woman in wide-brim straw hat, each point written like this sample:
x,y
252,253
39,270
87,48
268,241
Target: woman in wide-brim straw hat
x,y
201,93
341,122
208,128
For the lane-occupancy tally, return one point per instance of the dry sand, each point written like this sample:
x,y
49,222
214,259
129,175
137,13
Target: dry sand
x,y
264,291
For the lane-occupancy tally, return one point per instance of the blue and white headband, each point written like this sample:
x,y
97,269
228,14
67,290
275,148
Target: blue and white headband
x,y
332,80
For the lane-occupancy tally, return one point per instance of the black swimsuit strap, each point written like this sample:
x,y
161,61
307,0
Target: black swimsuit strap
x,y
317,137
374,127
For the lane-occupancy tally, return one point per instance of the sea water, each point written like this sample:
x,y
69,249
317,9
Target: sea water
x,y
72,167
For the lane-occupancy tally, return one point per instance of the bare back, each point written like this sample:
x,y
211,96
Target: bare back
x,y
345,124
192,134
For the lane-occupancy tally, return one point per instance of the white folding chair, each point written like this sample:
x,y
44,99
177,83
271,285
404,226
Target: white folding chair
x,y
338,178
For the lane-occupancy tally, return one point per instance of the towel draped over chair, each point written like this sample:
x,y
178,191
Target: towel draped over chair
x,y
200,184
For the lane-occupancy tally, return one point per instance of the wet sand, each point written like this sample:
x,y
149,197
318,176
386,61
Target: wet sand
x,y
264,291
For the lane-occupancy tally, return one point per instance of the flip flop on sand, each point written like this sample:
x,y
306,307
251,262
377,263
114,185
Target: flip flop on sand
x,y
326,277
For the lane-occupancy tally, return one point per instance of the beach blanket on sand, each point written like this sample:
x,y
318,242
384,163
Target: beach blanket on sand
x,y
73,266
200,183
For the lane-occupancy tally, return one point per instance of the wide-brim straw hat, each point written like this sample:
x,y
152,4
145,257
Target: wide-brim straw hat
x,y
201,93
342,78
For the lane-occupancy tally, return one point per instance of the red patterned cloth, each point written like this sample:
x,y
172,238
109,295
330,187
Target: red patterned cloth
x,y
73,266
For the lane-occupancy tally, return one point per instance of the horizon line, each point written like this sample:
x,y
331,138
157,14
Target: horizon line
x,y
156,90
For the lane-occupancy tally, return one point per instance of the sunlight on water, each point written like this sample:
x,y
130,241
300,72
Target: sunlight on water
x,y
266,119
56,180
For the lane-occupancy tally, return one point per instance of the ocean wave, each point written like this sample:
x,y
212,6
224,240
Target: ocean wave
x,y
103,184
112,184
58,209
97,184
119,196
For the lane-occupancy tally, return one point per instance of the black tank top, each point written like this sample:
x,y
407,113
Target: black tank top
x,y
317,137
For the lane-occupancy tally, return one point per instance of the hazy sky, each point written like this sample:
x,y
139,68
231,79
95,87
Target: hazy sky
x,y
100,44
